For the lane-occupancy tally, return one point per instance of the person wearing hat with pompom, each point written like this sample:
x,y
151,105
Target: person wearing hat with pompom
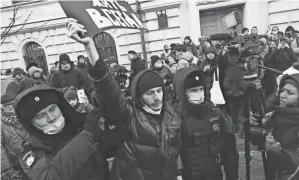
x,y
208,141
151,150
18,74
12,137
63,144
36,73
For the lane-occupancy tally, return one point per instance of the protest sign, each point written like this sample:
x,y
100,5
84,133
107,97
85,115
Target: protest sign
x,y
100,15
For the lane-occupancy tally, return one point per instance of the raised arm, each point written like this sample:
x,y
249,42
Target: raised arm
x,y
107,91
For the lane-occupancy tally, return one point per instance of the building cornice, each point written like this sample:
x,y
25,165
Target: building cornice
x,y
159,7
25,5
220,4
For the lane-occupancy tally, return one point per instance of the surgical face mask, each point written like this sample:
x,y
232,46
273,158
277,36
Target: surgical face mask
x,y
53,128
196,97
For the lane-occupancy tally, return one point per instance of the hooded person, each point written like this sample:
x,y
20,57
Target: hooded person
x,y
152,145
12,88
72,97
190,46
81,63
208,143
12,137
68,76
59,135
282,121
263,48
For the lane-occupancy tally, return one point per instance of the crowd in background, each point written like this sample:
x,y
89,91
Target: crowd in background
x,y
184,63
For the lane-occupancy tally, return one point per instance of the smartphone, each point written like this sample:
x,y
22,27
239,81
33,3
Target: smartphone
x,y
81,95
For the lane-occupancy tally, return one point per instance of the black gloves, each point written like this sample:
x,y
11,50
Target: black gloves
x,y
92,123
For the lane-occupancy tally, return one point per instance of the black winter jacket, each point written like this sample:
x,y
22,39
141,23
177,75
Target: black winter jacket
x,y
69,155
208,142
151,149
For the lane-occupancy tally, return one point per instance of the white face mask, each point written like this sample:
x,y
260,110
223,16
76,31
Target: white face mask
x,y
196,97
151,111
53,128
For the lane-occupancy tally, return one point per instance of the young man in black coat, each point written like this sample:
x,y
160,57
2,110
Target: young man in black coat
x,y
63,144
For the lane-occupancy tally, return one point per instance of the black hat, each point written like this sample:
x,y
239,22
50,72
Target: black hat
x,y
154,59
188,38
244,29
194,79
80,56
147,81
132,52
34,101
289,28
64,58
5,98
17,71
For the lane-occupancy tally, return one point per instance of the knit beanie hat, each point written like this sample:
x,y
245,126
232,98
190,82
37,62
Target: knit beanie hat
x,y
244,29
154,59
17,71
34,69
194,79
64,58
70,94
5,98
147,81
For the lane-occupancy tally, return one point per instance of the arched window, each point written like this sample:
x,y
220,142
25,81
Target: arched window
x,y
33,52
105,45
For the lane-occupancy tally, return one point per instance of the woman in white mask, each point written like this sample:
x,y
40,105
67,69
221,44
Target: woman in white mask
x,y
64,143
204,131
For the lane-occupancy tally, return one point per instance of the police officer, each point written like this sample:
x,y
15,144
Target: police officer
x,y
208,143
59,149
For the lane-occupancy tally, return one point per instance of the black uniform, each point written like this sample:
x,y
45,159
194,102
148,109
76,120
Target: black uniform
x,y
69,155
207,142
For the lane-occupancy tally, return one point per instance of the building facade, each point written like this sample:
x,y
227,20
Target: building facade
x,y
38,33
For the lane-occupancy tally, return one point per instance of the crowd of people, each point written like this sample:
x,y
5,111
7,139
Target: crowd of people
x,y
160,125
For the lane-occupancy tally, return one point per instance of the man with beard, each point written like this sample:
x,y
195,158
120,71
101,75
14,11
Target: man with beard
x,y
58,148
208,143
68,76
18,74
151,149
